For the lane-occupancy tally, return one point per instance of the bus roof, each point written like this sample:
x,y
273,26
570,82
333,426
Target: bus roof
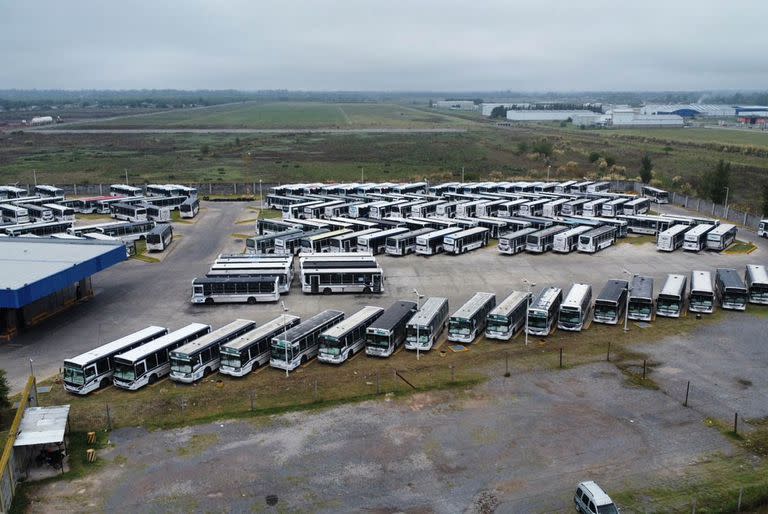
x,y
301,234
468,232
253,279
116,345
698,230
510,303
310,325
385,233
392,316
213,338
160,229
756,274
554,229
518,233
675,230
701,281
349,323
473,305
637,201
161,342
730,278
641,287
613,290
674,285
341,263
412,233
574,231
599,231
596,201
429,236
721,229
576,295
355,235
428,310
545,298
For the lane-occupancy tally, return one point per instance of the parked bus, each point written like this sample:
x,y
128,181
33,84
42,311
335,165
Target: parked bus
x,y
431,243
61,212
512,243
702,295
597,187
405,243
594,207
574,207
290,243
564,187
348,242
469,321
9,192
553,208
376,243
489,208
575,309
345,339
495,226
280,268
94,369
756,279
672,238
222,289
721,237
125,190
297,345
568,240
647,224
44,190
157,213
613,207
636,206
201,357
341,277
14,214
150,362
671,300
465,241
657,195
762,229
533,207
640,307
731,290
127,231
385,335
265,244
511,208
610,304
543,311
542,241
190,207
321,242
128,212
252,349
425,327
37,229
38,213
171,202
160,237
695,238
508,317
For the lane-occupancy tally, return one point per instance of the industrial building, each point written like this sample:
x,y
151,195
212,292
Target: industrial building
x,y
543,115
459,105
627,117
42,276
690,110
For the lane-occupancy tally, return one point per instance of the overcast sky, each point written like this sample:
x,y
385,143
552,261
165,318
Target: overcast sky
x,y
384,44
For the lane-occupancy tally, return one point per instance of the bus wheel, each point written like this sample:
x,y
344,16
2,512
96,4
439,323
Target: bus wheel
x,y
152,379
327,290
251,300
207,372
303,359
209,301
367,290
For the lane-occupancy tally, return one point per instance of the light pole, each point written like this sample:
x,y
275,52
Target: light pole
x,y
285,341
549,167
419,296
31,370
261,196
462,174
530,285
626,305
126,175
727,190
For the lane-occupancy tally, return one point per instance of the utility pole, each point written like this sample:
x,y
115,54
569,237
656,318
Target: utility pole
x,y
34,175
126,176
462,174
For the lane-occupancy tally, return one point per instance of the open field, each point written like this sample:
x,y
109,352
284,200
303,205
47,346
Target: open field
x,y
284,115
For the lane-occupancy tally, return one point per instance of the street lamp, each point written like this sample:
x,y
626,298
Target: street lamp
x,y
285,341
261,196
626,306
531,285
419,296
727,190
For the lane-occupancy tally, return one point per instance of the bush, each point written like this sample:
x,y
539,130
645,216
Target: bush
x,y
593,157
4,391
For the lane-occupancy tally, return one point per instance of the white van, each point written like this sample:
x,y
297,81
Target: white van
x,y
591,499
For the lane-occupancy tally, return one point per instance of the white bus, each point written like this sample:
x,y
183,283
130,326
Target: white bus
x,y
490,208
702,295
731,290
657,195
377,242
762,229
597,187
696,238
574,207
468,209
280,267
510,208
61,212
345,339
125,190
405,243
344,277
636,206
508,317
94,369
671,300
594,207
297,345
7,192
160,237
756,278
321,242
611,303
552,209
512,243
385,335
242,354
38,213
721,237
210,290
542,240
533,207
568,241
425,327
469,321
37,229
14,214
640,303
543,311
672,238
190,207
465,241
575,309
44,190
348,242
151,361
432,243
613,207
198,358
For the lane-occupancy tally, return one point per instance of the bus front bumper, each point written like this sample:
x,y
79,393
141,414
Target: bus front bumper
x,y
330,359
375,351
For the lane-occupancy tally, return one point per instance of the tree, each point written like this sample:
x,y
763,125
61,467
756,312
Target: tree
x,y
765,199
715,181
499,112
543,147
204,149
522,147
593,157
610,160
4,390
646,168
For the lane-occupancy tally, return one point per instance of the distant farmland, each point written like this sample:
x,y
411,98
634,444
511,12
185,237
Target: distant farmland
x,y
290,115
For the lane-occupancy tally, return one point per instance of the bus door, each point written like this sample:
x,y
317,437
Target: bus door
x,y
314,283
377,283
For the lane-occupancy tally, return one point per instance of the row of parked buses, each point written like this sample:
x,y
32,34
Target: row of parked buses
x,y
194,351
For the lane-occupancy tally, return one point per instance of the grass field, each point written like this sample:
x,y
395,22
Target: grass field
x,y
284,115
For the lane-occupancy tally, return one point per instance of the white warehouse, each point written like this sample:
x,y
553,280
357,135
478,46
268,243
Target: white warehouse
x,y
542,115
625,117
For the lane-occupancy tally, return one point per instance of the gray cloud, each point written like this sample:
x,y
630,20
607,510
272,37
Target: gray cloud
x,y
393,45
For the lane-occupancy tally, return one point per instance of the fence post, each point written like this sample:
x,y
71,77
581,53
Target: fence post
x,y
561,357
686,201
74,186
741,493
608,355
234,186
745,220
735,422
687,390
378,384
713,208
698,205
101,190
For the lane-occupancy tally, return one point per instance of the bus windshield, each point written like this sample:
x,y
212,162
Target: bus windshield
x,y
570,315
537,319
125,372
737,299
460,326
279,353
701,301
498,325
423,334
330,345
377,340
181,366
230,360
74,374
668,305
642,307
605,311
759,292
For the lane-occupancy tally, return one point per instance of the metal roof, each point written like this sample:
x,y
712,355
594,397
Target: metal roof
x,y
213,337
613,290
641,287
510,303
701,281
33,268
310,325
575,296
361,316
265,330
674,285
474,304
428,310
392,316
43,425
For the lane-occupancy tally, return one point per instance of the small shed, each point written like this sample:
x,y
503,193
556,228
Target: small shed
x,y
40,449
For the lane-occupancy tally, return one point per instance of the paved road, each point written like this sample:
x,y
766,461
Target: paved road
x,y
256,131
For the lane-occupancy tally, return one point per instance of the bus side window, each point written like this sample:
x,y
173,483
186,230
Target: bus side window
x,y
102,365
141,368
90,371
162,357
